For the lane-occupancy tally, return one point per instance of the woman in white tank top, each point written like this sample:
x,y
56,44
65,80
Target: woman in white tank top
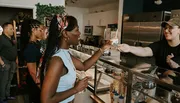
x,y
58,82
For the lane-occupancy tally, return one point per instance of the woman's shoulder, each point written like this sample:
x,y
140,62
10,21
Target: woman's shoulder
x,y
56,60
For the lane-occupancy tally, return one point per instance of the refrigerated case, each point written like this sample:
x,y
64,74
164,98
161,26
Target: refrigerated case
x,y
141,30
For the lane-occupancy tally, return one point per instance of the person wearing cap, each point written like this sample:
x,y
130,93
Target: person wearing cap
x,y
166,51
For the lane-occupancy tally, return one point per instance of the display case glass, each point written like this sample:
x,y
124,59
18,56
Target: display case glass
x,y
116,82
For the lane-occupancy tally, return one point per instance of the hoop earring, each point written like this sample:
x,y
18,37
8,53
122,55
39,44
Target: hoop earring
x,y
65,39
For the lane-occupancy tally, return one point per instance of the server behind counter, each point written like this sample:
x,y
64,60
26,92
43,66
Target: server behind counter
x,y
166,52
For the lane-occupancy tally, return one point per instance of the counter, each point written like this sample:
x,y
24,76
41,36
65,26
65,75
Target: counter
x,y
137,75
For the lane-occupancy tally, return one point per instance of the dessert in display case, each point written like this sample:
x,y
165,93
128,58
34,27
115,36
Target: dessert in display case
x,y
116,82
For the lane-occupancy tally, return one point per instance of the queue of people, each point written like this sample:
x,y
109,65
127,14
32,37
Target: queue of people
x,y
52,72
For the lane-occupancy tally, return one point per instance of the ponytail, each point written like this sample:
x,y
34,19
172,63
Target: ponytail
x,y
52,45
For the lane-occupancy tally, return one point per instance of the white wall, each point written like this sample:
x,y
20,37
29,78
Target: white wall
x,y
53,2
112,6
78,14
29,4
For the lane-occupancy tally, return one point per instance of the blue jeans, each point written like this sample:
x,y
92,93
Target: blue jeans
x,y
10,77
6,76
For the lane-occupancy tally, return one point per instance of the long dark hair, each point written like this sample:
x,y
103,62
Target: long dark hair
x,y
53,39
26,31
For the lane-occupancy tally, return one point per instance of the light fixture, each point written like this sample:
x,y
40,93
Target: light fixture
x,y
158,2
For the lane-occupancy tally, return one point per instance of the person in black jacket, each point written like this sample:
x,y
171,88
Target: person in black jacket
x,y
8,57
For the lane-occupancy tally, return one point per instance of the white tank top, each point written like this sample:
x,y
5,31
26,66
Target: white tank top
x,y
67,81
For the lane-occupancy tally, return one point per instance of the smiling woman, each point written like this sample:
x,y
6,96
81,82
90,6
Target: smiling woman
x,y
60,69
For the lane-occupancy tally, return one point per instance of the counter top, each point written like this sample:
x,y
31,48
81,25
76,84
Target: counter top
x,y
135,72
114,58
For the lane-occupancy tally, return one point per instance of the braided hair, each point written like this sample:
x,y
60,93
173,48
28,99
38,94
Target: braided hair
x,y
26,31
58,24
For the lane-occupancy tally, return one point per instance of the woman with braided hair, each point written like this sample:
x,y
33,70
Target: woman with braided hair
x,y
32,32
59,81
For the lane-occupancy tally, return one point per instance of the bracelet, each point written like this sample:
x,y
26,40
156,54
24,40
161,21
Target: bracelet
x,y
101,50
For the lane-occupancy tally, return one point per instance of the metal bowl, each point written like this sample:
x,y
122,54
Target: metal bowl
x,y
148,84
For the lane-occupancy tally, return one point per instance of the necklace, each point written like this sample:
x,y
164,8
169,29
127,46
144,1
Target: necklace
x,y
69,58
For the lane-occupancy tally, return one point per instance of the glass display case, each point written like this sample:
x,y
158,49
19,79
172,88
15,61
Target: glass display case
x,y
155,85
143,83
115,82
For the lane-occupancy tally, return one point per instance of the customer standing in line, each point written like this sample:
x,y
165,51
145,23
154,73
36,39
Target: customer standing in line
x,y
59,82
32,32
8,59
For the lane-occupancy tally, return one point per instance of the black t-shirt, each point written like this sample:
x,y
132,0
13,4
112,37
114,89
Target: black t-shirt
x,y
32,53
161,50
8,48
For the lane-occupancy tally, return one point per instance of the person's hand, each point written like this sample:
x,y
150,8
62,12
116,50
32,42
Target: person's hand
x,y
167,80
107,45
170,62
1,61
17,61
169,72
82,84
124,48
37,82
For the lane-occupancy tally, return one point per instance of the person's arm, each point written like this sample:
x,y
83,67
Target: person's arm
x,y
51,81
1,47
32,70
30,56
1,62
138,51
83,66
17,61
